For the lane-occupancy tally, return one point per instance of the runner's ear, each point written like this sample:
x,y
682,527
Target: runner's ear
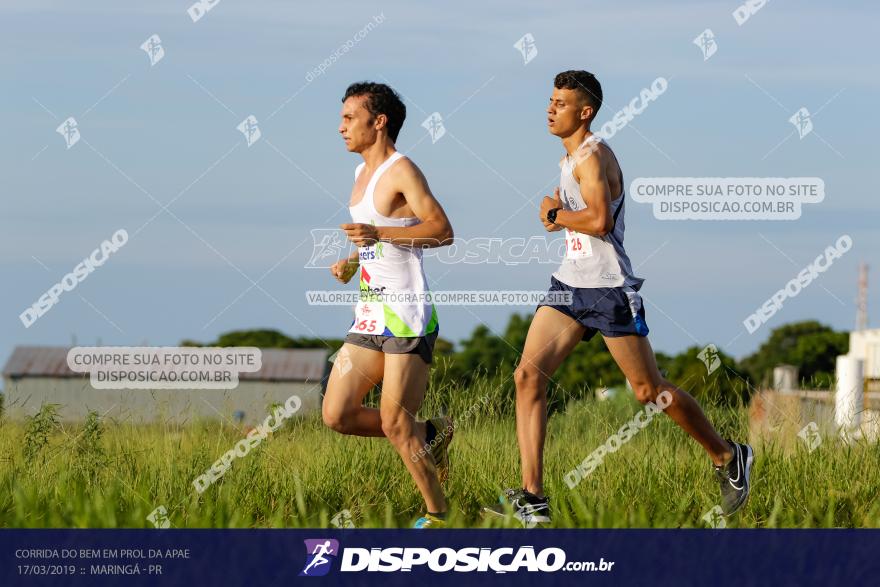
x,y
381,121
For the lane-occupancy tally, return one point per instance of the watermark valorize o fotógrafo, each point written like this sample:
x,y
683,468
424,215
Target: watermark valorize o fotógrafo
x,y
439,298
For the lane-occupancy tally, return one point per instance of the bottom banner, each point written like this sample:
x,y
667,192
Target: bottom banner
x,y
441,557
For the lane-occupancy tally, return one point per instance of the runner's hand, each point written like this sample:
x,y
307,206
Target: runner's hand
x,y
363,235
550,227
548,204
344,269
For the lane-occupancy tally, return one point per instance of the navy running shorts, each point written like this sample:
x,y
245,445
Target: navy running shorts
x,y
613,311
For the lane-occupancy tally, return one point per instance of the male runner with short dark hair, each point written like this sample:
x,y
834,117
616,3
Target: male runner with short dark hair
x,y
596,271
392,337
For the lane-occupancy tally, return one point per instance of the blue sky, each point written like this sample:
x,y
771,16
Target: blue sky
x,y
244,213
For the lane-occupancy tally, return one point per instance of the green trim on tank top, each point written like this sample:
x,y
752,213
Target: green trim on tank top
x,y
398,327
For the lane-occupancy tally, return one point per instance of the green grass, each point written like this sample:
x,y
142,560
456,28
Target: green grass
x,y
114,475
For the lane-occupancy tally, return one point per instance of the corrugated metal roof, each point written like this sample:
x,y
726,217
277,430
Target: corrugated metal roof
x,y
290,365
44,361
277,364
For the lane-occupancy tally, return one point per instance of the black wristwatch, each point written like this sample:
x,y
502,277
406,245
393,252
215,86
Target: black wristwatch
x,y
551,215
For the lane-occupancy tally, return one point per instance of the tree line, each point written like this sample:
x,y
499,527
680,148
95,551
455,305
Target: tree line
x,y
809,345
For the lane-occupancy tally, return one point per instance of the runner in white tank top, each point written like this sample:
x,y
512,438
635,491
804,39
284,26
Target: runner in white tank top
x,y
394,216
598,278
390,274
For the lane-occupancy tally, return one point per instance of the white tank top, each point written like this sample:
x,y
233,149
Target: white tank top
x,y
391,270
590,261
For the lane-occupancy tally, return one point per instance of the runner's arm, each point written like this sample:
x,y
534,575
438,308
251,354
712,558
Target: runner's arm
x,y
434,230
595,219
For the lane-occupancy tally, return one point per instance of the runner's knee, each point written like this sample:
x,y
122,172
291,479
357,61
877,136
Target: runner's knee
x,y
528,378
648,391
335,418
396,427
645,391
667,394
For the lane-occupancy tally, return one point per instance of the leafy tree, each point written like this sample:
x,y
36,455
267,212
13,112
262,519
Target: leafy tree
x,y
590,366
482,352
812,346
486,356
716,380
267,339
443,347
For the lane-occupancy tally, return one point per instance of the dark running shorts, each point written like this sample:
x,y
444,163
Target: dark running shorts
x,y
395,345
613,311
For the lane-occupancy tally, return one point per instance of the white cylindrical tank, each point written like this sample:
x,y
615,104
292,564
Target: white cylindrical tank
x,y
849,395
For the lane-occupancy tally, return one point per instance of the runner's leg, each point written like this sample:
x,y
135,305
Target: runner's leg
x,y
635,358
552,336
356,371
403,390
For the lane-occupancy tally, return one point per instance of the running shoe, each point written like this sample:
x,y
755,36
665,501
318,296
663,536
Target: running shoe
x,y
734,478
526,507
440,445
429,521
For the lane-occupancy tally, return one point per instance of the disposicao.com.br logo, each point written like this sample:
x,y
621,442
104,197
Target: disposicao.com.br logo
x,y
318,553
441,560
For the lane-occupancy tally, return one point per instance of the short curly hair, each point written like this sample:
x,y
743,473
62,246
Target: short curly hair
x,y
585,83
381,99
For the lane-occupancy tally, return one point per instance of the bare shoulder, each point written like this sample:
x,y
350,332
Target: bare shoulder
x,y
596,161
404,166
591,160
404,171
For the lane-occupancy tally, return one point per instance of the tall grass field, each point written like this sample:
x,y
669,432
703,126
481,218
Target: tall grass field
x,y
104,474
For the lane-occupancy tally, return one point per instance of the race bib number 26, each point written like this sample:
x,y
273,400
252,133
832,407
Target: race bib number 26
x,y
369,318
577,245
